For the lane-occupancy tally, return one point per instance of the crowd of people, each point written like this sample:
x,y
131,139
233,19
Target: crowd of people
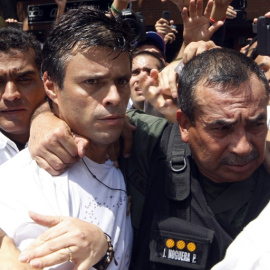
x,y
113,158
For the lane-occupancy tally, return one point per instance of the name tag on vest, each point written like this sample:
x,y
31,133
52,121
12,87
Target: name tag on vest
x,y
188,248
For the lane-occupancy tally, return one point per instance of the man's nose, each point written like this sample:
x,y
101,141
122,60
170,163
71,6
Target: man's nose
x,y
240,143
112,97
11,92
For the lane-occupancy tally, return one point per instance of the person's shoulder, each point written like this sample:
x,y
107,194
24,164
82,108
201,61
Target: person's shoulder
x,y
20,161
153,125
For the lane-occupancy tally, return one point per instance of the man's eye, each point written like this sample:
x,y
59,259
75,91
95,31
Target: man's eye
x,y
91,81
264,70
258,125
122,81
221,128
24,79
135,73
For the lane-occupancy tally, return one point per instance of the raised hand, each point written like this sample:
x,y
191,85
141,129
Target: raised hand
x,y
196,23
154,94
163,27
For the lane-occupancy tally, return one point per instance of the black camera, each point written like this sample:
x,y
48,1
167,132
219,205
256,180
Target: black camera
x,y
136,23
262,28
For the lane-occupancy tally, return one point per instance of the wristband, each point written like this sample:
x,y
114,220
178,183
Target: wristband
x,y
213,21
105,261
115,9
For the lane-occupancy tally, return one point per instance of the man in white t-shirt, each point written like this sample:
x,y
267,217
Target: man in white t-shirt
x,y
86,72
21,88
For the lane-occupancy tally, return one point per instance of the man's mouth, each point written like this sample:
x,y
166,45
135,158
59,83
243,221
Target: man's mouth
x,y
12,111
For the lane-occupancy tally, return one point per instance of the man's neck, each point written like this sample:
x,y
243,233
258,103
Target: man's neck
x,y
97,153
19,139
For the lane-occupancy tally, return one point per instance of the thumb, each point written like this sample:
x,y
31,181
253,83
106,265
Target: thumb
x,y
47,221
82,144
154,75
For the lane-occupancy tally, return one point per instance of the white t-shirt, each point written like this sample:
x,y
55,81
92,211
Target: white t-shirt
x,y
250,250
8,148
24,186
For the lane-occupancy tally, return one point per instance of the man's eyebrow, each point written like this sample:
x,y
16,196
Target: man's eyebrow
x,y
26,73
262,64
260,117
19,74
125,76
221,122
226,123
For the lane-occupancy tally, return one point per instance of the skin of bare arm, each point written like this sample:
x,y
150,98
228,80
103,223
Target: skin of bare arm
x,y
61,5
219,9
9,254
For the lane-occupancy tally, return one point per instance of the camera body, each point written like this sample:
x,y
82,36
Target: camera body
x,y
166,15
262,28
136,22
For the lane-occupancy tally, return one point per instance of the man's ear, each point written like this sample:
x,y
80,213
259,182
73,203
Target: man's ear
x,y
51,87
184,124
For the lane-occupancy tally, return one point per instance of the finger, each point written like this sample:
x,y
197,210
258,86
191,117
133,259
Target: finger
x,y
192,9
214,27
57,149
172,36
207,46
208,8
44,220
199,8
49,241
189,52
67,144
154,75
145,83
154,96
53,166
54,258
52,246
163,32
185,17
168,80
82,144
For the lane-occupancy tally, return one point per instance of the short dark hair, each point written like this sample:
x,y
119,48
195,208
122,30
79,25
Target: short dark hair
x,y
215,67
17,39
80,29
153,54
